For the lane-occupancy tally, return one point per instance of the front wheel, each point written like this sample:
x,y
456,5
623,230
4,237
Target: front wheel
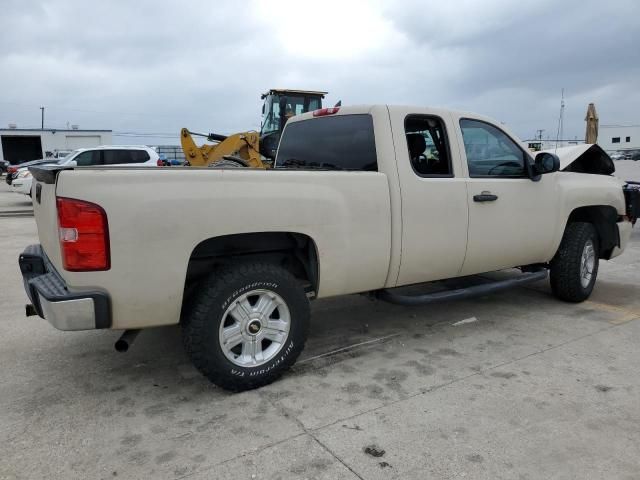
x,y
247,325
575,266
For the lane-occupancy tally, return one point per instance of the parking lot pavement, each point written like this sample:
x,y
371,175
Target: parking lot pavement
x,y
12,203
512,385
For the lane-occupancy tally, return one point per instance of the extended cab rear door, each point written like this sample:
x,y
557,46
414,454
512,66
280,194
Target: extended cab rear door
x,y
512,219
434,195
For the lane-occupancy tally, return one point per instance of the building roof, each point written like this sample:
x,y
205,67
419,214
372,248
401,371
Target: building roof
x,y
51,130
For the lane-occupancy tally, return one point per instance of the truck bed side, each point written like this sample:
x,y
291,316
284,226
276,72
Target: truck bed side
x,y
157,217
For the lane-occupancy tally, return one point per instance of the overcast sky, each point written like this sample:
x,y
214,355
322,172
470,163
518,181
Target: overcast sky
x,y
156,66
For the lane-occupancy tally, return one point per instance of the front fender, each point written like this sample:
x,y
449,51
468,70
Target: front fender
x,y
581,190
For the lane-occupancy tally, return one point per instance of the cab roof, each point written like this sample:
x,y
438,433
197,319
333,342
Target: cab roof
x,y
113,147
300,92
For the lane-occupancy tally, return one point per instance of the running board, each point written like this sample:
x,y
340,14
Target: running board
x,y
461,293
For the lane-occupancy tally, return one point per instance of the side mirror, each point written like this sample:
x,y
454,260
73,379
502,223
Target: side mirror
x,y
546,163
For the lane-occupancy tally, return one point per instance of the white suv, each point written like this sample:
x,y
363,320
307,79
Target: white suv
x,y
121,155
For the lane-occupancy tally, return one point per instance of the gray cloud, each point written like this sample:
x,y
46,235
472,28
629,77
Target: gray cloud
x,y
157,66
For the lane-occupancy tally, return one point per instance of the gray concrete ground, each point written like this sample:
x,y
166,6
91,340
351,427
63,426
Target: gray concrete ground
x,y
11,203
512,385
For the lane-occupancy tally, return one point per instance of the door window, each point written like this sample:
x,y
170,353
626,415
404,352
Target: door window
x,y
427,146
491,152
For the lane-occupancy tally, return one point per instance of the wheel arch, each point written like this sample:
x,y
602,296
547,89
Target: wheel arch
x,y
297,252
604,218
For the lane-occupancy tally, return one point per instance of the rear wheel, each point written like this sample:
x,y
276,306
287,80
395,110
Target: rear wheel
x,y
228,163
575,266
247,325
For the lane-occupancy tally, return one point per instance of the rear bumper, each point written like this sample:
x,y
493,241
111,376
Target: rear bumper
x,y
62,307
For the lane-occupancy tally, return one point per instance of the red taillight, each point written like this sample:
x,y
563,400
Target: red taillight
x,y
326,111
12,169
84,235
160,163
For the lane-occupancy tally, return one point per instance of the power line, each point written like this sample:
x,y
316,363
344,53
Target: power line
x,y
64,109
560,120
145,134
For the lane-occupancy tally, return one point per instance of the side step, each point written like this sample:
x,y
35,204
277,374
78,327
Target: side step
x,y
461,293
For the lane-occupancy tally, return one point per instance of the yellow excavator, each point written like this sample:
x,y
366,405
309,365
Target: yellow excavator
x,y
251,149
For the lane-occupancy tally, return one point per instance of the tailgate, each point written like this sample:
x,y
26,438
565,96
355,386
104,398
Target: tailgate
x,y
45,212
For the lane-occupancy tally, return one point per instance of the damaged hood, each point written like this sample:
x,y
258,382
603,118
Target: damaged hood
x,y
584,158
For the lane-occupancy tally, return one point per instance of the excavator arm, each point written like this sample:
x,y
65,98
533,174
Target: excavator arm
x,y
243,145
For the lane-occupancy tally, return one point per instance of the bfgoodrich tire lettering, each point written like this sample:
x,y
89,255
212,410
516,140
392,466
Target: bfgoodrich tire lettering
x,y
574,268
209,317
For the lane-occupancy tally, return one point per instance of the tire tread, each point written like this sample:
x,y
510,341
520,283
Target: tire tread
x,y
199,312
565,265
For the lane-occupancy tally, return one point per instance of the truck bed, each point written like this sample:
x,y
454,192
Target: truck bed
x,y
157,217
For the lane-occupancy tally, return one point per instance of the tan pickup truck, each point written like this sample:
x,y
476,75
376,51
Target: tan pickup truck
x,y
362,199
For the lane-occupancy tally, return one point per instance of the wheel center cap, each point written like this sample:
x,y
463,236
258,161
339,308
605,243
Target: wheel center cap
x,y
254,327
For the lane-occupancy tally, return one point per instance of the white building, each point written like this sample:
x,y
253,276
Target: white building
x,y
19,145
619,137
536,145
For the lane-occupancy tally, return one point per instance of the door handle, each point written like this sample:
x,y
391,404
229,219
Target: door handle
x,y
485,197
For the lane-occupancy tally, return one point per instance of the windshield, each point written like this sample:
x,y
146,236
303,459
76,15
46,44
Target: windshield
x,y
68,157
279,108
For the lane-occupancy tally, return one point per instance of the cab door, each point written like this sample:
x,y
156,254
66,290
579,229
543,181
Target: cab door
x,y
512,218
434,195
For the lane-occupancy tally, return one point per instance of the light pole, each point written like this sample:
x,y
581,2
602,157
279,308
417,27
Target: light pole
x,y
42,118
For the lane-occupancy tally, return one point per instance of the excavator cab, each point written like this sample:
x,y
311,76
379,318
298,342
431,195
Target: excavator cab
x,y
250,149
280,105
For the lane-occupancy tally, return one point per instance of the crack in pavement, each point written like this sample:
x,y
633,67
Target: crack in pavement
x,y
311,432
460,379
242,455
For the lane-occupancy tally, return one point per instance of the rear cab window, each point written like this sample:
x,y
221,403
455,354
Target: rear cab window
x,y
344,142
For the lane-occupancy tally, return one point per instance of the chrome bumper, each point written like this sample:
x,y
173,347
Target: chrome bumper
x,y
62,307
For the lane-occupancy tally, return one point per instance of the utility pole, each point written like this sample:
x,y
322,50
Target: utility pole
x,y
539,133
560,122
42,117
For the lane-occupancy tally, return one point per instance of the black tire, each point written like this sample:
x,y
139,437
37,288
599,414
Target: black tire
x,y
565,275
228,163
202,323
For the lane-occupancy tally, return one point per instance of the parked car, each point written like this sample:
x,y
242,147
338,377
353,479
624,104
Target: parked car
x,y
12,170
21,176
21,182
362,200
62,153
122,155
125,155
